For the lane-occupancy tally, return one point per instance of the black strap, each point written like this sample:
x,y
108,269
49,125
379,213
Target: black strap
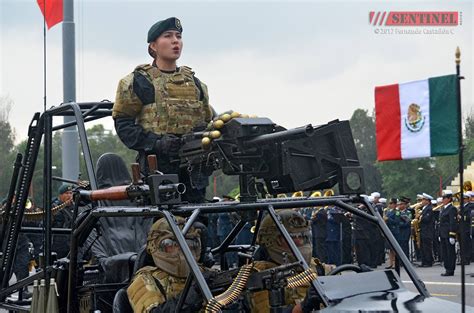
x,y
160,286
198,84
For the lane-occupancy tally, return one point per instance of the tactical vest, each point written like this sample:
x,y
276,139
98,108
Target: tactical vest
x,y
147,288
177,107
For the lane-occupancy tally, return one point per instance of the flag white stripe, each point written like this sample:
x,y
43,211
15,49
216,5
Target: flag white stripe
x,y
415,139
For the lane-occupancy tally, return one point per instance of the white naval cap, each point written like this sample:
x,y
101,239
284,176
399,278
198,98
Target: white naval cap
x,y
383,200
434,202
447,192
375,194
419,196
426,196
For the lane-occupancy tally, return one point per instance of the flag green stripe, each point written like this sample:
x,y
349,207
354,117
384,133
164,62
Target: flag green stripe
x,y
444,115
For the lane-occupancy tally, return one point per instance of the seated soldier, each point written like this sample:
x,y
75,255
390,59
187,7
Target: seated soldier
x,y
157,288
277,252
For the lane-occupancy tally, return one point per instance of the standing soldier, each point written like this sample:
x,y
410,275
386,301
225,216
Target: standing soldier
x,y
333,239
426,231
447,232
346,239
471,206
436,240
465,230
157,103
405,225
62,219
379,242
392,218
362,238
319,219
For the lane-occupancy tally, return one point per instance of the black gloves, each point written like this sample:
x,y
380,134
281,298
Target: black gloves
x,y
311,301
167,145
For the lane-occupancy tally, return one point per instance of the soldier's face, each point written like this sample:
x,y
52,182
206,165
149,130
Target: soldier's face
x,y
66,196
168,46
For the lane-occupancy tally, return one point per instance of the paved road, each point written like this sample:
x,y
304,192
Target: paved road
x,y
447,288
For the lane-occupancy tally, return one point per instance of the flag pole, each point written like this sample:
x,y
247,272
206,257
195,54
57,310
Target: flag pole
x,y
44,56
70,144
461,177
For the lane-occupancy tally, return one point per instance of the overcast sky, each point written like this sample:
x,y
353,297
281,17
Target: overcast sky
x,y
295,62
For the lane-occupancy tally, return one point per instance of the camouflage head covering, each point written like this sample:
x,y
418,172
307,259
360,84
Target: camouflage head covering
x,y
297,227
161,237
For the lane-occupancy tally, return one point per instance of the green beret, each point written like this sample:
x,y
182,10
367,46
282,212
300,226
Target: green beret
x,y
64,188
160,27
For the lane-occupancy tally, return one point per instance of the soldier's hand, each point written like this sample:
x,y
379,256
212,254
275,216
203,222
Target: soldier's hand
x,y
168,145
452,241
311,301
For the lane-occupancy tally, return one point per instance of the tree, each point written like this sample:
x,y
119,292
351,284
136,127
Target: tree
x,y
7,155
409,177
363,131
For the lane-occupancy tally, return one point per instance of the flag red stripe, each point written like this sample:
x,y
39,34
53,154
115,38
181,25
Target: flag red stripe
x,y
54,11
387,122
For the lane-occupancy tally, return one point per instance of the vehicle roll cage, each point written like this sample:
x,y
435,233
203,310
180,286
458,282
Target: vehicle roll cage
x,y
86,112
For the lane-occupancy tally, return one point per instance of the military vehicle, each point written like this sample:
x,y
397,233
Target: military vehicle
x,y
267,158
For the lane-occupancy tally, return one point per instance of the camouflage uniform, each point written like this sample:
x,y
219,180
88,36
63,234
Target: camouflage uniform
x,y
155,287
151,103
299,229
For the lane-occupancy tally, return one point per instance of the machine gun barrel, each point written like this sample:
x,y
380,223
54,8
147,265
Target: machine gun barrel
x,y
179,188
294,133
130,192
115,193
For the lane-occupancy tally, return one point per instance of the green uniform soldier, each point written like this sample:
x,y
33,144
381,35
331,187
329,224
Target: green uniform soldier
x,y
157,288
277,252
156,104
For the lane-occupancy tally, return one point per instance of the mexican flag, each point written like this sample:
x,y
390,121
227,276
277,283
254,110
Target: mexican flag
x,y
417,119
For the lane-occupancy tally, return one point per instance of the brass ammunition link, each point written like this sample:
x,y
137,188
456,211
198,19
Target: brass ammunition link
x,y
302,279
232,293
40,213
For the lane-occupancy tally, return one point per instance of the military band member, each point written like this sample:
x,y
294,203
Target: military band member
x,y
157,103
447,231
426,223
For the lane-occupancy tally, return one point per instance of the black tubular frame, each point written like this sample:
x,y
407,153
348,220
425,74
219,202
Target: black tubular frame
x,y
85,112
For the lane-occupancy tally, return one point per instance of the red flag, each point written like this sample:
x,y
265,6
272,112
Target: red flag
x,y
54,11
